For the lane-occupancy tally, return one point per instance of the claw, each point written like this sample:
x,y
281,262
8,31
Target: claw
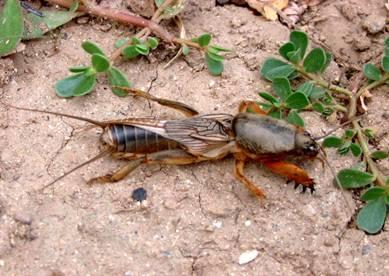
x,y
312,188
296,185
304,189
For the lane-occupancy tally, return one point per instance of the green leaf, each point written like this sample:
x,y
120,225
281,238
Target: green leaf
x,y
11,26
76,85
142,49
215,57
274,68
369,133
355,149
371,72
219,48
118,78
100,62
379,154
295,119
349,133
282,87
296,101
328,61
350,179
371,218
135,40
332,142
294,56
285,49
92,48
315,61
318,107
185,50
276,113
345,148
74,6
269,98
204,39
306,88
385,63
300,40
152,42
130,52
79,69
317,93
36,26
373,193
214,67
120,42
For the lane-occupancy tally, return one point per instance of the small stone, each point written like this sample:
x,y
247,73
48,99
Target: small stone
x,y
23,218
248,256
247,223
105,27
211,84
82,20
366,249
374,23
217,224
139,194
2,263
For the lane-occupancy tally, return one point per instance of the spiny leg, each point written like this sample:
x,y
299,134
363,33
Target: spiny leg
x,y
170,157
251,106
181,107
239,167
292,172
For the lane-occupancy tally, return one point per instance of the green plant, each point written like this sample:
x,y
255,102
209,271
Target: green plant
x,y
315,93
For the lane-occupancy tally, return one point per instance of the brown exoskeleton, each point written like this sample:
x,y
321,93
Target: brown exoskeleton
x,y
247,136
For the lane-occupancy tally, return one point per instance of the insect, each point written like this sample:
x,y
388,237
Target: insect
x,y
248,136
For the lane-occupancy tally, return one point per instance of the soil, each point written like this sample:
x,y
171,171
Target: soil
x,y
197,219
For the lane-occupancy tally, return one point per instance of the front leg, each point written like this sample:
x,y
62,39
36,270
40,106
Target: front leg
x,y
292,172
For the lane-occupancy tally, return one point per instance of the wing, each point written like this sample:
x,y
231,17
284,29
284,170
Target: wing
x,y
198,134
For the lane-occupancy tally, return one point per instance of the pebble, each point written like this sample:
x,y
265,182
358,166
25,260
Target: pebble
x,y
23,218
374,23
247,223
248,256
139,194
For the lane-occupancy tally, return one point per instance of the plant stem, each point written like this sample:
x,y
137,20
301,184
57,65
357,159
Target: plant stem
x,y
322,82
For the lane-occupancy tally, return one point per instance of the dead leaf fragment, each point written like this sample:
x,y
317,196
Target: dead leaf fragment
x,y
268,8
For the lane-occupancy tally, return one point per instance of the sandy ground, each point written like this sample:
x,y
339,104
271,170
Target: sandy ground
x,y
198,219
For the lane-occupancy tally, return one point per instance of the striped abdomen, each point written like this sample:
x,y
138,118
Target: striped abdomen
x,y
128,138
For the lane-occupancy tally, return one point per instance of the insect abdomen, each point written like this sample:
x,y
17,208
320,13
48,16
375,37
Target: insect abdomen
x,y
129,138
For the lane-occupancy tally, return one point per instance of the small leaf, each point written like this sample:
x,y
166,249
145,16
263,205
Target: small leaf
x,y
215,57
345,148
379,154
306,88
204,39
219,48
300,40
152,42
350,179
315,60
371,72
332,142
317,93
355,149
74,6
269,98
100,62
285,49
373,193
142,49
214,67
185,50
135,40
349,133
328,61
92,48
369,133
296,101
76,85
385,63
295,119
318,107
294,56
130,52
118,78
120,42
79,69
11,26
371,218
282,87
274,68
276,113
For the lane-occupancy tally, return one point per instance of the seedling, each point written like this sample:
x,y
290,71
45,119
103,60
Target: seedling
x,y
320,96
